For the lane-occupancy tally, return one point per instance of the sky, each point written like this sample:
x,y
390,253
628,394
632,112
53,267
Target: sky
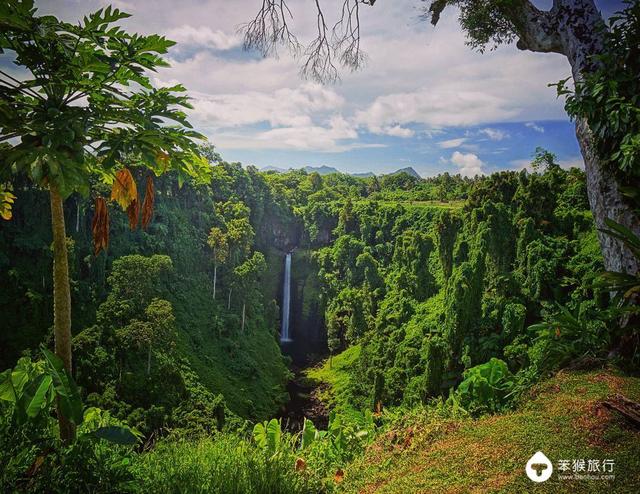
x,y
423,99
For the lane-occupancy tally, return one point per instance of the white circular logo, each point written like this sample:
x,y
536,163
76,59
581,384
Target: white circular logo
x,y
539,467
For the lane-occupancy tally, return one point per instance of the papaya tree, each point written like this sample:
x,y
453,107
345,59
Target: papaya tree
x,y
79,105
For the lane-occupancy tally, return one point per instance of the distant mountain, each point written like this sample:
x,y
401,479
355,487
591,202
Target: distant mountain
x,y
327,170
272,168
321,170
409,171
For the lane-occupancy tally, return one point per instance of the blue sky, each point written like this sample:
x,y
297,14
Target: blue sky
x,y
423,99
510,146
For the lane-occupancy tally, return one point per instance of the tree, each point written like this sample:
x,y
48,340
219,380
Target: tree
x,y
82,107
573,28
246,274
220,245
157,329
135,280
411,256
237,231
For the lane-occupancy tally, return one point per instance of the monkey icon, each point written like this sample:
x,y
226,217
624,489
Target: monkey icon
x,y
539,467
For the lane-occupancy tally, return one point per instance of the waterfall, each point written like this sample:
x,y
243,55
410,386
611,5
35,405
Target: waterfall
x,y
286,300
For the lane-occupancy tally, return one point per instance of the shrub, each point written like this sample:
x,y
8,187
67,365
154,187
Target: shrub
x,y
568,335
485,387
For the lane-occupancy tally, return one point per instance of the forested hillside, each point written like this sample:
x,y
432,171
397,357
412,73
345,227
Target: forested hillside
x,y
427,289
162,276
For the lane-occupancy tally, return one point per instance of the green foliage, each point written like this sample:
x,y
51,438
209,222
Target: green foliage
x,y
513,319
485,387
32,388
425,290
328,451
65,388
33,456
267,436
435,356
337,372
566,335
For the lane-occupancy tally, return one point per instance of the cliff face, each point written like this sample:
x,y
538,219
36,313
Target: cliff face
x,y
307,310
281,233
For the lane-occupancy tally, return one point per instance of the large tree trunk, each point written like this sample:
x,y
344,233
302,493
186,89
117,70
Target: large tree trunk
x,y
607,202
574,28
61,299
580,29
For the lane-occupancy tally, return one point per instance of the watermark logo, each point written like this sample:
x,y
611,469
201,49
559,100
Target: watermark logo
x,y
539,467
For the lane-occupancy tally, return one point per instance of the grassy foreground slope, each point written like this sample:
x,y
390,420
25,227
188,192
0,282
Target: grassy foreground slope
x,y
563,417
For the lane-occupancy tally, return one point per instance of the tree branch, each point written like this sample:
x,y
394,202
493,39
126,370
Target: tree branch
x,y
346,35
537,29
269,29
319,64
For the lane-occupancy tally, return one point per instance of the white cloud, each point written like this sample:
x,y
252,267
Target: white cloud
x,y
433,109
534,126
452,143
398,131
311,136
469,164
281,108
494,134
204,36
333,136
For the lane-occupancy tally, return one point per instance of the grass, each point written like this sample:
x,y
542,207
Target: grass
x,y
224,464
335,374
562,417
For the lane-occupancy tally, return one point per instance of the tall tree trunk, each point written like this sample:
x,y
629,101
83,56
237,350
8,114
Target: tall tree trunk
x,y
61,298
607,202
149,360
215,278
575,28
244,306
580,29
229,301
